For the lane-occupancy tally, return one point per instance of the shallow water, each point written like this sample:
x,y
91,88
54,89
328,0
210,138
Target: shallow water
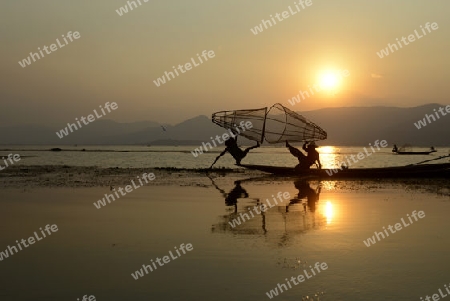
x,y
96,250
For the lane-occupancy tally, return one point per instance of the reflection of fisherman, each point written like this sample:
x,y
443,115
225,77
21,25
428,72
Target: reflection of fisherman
x,y
235,151
236,193
231,198
304,161
305,191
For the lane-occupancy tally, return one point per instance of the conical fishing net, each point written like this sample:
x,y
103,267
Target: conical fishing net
x,y
276,124
233,119
283,125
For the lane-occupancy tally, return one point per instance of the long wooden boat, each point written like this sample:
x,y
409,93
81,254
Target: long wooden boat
x,y
409,171
414,153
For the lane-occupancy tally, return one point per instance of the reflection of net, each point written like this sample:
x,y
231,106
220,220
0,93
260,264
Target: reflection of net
x,y
276,124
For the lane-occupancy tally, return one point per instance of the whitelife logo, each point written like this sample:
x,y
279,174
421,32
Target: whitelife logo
x,y
31,241
411,38
423,122
91,118
281,17
10,157
188,66
360,156
300,278
166,259
110,197
85,298
25,62
263,208
371,240
204,147
124,9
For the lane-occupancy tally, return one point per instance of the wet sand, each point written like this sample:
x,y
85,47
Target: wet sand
x,y
51,176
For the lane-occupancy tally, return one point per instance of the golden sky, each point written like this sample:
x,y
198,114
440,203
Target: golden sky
x,y
117,58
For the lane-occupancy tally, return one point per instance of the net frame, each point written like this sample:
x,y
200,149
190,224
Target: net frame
x,y
293,126
291,130
230,119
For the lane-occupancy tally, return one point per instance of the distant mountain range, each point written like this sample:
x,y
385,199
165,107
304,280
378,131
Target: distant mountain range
x,y
346,126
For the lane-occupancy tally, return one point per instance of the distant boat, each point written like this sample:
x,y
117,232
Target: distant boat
x,y
403,151
414,153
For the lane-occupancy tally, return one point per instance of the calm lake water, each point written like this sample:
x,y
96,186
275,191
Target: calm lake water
x,y
181,157
95,251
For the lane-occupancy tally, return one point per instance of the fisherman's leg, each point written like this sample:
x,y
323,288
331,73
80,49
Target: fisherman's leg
x,y
221,154
239,158
301,167
306,162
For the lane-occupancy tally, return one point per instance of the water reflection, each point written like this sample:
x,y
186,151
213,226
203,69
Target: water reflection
x,y
329,156
281,222
329,211
231,198
306,192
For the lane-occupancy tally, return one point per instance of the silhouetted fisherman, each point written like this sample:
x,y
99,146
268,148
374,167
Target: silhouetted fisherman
x,y
234,150
305,161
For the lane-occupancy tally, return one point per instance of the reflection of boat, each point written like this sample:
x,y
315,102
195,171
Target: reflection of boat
x,y
410,171
407,150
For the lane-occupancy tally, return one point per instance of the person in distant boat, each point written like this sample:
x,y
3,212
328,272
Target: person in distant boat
x,y
305,161
234,150
395,149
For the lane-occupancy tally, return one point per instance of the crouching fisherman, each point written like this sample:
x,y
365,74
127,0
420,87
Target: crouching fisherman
x,y
234,150
305,161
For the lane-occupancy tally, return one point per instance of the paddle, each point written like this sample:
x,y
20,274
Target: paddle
x,y
441,157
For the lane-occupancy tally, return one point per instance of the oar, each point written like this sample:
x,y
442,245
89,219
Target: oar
x,y
441,157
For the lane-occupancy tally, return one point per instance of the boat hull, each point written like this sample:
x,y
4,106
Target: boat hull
x,y
410,171
414,153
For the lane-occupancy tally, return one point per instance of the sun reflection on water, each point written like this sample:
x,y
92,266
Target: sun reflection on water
x,y
328,156
329,212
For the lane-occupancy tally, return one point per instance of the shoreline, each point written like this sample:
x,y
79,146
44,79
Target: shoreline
x,y
63,176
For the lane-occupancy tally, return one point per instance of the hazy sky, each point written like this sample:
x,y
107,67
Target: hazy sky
x,y
117,58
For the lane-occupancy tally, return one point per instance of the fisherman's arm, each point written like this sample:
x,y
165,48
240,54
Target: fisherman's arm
x,y
304,147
